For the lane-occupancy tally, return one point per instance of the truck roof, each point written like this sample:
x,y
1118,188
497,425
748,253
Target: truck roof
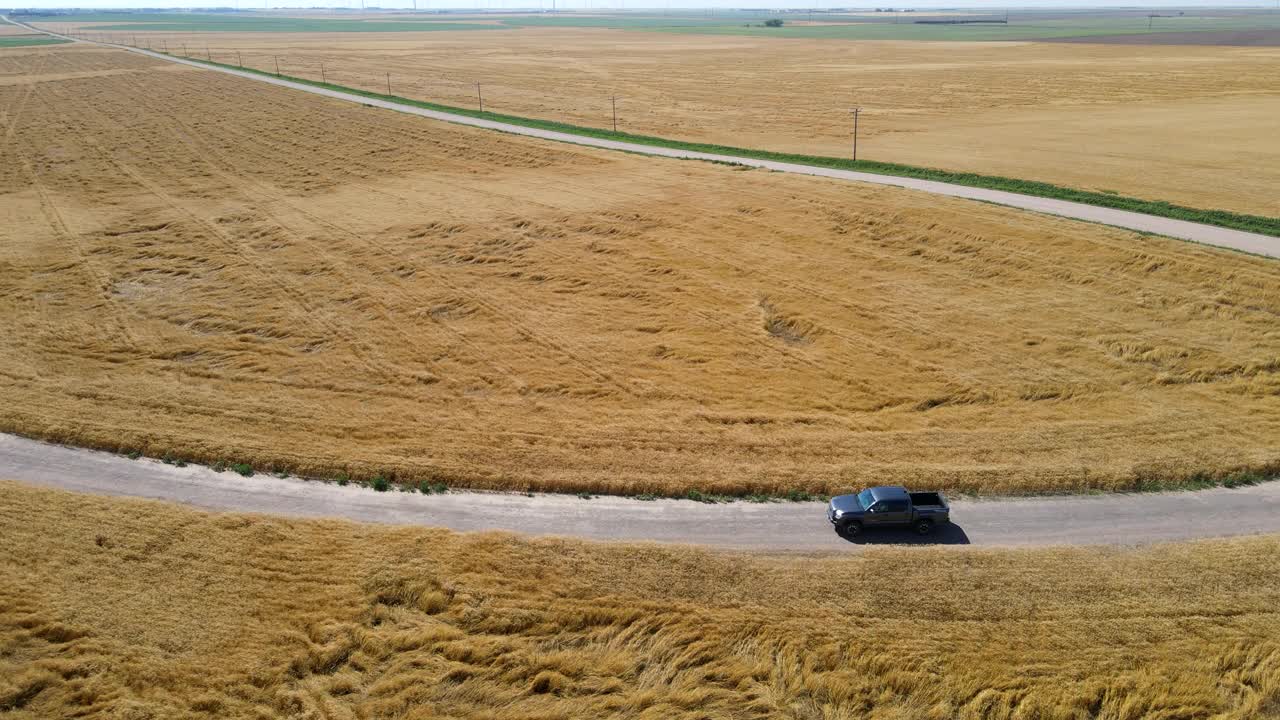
x,y
889,492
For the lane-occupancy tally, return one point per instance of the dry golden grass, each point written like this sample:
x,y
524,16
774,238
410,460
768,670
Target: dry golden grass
x,y
214,268
1193,125
133,609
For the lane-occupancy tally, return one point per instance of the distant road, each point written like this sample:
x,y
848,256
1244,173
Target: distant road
x,y
1181,229
772,527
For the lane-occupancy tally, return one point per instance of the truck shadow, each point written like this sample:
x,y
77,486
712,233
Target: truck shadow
x,y
949,534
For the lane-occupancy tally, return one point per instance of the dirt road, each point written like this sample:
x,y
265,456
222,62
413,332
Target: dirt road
x,y
1086,520
1206,234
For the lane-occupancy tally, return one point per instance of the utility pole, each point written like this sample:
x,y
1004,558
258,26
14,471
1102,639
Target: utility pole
x,y
614,100
855,112
184,51
239,59
322,77
208,54
388,83
277,65
479,97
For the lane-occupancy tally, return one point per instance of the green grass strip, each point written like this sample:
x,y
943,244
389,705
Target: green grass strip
x,y
1222,218
9,41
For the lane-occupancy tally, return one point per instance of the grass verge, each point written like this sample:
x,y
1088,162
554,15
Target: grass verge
x,y
1220,218
25,41
383,481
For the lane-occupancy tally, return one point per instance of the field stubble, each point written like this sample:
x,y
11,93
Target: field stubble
x,y
126,608
1095,117
212,269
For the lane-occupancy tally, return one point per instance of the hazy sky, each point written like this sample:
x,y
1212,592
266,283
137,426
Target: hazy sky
x,y
604,4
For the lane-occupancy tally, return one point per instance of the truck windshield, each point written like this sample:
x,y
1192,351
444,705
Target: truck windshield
x,y
865,499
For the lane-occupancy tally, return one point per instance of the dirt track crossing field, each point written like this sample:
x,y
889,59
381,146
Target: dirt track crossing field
x,y
222,270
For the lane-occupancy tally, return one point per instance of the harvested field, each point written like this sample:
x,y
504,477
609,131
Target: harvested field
x,y
196,265
120,608
1093,117
1241,38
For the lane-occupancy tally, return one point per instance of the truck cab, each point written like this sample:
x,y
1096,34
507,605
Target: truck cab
x,y
888,506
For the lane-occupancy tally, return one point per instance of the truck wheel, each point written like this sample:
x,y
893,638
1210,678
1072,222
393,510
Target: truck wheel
x,y
852,528
924,527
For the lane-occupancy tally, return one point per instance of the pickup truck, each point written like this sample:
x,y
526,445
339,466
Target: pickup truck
x,y
888,507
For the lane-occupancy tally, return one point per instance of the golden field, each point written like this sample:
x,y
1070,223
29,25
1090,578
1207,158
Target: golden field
x,y
198,265
1187,124
134,609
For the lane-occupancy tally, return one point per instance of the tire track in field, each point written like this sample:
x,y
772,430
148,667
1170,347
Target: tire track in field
x,y
365,240
56,220
309,311
369,358
497,314
174,127
225,168
537,335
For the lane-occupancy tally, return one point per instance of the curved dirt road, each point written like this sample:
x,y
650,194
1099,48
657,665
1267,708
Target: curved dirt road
x,y
1086,520
1181,229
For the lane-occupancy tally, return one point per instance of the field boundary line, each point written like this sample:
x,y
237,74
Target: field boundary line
x,y
1217,235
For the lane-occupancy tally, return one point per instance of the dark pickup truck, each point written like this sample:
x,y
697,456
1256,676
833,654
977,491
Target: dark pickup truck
x,y
888,507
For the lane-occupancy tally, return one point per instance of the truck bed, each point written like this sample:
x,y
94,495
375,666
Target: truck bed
x,y
928,501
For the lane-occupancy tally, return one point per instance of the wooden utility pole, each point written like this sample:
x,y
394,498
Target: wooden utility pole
x,y
323,79
614,100
479,97
239,59
855,112
388,83
277,65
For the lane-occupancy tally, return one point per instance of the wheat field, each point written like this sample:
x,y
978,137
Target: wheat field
x,y
200,266
136,609
1186,124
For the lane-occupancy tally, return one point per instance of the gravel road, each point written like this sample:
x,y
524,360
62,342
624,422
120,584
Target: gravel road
x,y
1196,232
780,526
